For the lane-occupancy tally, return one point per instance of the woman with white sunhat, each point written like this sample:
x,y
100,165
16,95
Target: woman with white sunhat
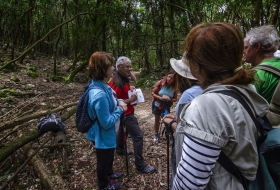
x,y
189,87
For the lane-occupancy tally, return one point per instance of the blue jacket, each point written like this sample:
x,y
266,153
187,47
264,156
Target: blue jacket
x,y
103,105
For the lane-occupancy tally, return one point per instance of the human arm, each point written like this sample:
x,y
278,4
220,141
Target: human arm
x,y
175,96
123,93
123,105
155,91
98,106
169,118
196,164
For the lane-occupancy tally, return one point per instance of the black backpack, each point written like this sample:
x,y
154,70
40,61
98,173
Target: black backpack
x,y
51,122
83,120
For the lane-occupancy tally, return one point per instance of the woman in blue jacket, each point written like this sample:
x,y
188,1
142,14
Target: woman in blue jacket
x,y
104,106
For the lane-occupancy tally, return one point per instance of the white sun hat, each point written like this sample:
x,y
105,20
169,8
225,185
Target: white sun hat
x,y
181,68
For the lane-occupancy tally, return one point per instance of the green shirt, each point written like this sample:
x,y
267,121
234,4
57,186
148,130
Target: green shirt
x,y
266,82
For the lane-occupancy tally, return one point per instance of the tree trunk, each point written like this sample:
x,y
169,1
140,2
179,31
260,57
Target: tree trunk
x,y
36,43
75,71
51,181
274,14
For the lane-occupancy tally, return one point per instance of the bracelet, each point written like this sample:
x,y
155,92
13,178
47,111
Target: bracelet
x,y
173,121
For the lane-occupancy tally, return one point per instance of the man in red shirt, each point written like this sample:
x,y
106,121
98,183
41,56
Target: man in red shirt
x,y
120,83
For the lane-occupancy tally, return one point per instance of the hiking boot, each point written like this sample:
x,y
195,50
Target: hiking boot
x,y
122,152
115,175
148,169
156,137
112,185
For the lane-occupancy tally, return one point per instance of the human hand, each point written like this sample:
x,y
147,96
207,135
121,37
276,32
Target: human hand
x,y
133,97
170,116
132,88
166,98
123,106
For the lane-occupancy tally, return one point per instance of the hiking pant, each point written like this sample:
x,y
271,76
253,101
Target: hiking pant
x,y
105,159
136,135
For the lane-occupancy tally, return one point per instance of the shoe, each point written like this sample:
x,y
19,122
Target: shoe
x,y
156,137
148,169
116,175
122,152
112,186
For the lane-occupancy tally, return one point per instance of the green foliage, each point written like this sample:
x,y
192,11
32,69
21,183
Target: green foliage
x,y
31,70
32,74
2,94
15,79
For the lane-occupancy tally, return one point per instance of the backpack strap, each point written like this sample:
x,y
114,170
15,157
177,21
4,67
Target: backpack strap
x,y
223,159
269,68
274,105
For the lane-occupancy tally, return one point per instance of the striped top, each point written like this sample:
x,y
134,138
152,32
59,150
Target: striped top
x,y
196,164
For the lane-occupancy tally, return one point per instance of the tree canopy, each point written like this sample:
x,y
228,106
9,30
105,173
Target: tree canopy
x,y
150,32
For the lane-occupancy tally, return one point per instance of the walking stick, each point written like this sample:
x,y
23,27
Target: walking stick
x,y
167,133
125,145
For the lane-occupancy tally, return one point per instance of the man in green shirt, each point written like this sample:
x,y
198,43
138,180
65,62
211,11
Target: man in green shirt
x,y
260,44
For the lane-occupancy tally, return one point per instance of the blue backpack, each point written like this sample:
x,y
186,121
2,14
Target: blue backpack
x,y
83,120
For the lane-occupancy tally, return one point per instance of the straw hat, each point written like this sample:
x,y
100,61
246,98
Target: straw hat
x,y
181,68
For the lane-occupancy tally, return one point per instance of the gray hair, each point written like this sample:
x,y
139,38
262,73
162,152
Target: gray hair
x,y
122,60
266,36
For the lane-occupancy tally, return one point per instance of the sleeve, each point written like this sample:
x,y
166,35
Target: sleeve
x,y
99,105
185,98
197,161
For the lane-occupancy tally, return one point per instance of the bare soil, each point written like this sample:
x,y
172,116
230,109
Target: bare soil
x,y
41,93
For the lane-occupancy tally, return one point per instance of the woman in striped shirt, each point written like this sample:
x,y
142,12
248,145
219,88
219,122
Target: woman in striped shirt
x,y
214,122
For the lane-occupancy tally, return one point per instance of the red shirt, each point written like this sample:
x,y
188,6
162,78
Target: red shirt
x,y
122,94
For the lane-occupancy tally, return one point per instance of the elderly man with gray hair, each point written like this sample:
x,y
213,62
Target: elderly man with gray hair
x,y
260,44
120,83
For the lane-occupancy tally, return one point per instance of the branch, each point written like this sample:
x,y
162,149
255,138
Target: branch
x,y
10,124
26,138
26,161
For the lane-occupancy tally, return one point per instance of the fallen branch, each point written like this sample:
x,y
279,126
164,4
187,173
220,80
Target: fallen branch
x,y
20,142
31,155
51,181
7,150
8,134
55,145
10,124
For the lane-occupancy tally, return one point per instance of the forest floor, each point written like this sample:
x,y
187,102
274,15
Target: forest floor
x,y
41,93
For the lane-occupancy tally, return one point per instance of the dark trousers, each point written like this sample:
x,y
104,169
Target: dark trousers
x,y
136,135
105,159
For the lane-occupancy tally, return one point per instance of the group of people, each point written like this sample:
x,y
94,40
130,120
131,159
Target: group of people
x,y
208,123
108,104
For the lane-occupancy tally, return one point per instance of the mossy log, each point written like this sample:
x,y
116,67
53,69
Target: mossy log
x,y
18,121
8,149
51,181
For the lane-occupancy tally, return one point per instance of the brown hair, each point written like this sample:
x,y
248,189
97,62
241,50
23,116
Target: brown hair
x,y
98,65
175,82
217,48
